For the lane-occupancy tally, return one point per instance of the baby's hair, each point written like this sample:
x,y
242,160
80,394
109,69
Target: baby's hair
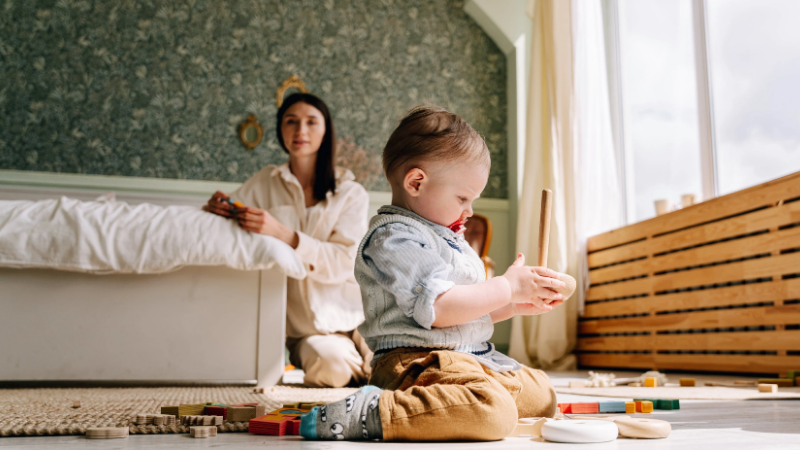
x,y
431,133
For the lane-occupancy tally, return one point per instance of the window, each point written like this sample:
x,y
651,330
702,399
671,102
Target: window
x,y
755,67
659,103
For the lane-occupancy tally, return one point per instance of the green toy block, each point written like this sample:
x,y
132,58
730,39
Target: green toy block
x,y
660,403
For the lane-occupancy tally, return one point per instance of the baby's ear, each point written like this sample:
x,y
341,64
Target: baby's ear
x,y
414,178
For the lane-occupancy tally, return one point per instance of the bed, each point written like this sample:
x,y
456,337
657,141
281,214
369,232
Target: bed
x,y
192,318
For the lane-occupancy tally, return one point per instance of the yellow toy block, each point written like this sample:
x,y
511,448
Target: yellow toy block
x,y
644,406
688,382
651,382
630,407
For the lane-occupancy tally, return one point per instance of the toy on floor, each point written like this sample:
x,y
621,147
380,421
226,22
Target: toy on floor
x,y
154,419
245,412
769,388
592,407
634,427
201,420
688,382
643,406
781,382
651,382
529,427
278,423
76,404
579,431
202,432
660,403
106,433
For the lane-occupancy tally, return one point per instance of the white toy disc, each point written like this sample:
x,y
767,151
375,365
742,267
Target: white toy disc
x,y
580,431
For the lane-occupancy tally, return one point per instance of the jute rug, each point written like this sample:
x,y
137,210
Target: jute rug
x,y
685,393
44,412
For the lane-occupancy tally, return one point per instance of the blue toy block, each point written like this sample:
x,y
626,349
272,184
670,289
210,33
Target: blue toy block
x,y
612,407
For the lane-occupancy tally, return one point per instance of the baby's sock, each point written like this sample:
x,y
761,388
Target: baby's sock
x,y
355,417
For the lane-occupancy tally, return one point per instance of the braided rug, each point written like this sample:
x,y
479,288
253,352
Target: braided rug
x,y
47,412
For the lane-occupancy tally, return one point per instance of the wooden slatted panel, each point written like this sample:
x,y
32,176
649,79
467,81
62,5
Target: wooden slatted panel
x,y
729,267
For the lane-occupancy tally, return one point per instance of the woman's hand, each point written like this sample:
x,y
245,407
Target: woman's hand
x,y
217,205
533,286
259,221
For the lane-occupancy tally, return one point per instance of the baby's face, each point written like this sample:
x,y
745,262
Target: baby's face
x,y
451,188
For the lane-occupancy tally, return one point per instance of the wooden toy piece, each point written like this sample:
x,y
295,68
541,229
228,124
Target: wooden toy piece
x,y
769,388
782,382
544,243
531,426
565,408
585,408
577,384
202,432
291,405
660,403
171,410
106,433
651,382
630,407
688,382
612,407
579,431
217,410
637,428
278,422
190,409
76,404
644,406
635,384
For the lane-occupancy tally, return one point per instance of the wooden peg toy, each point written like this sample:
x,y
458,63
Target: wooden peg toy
x,y
544,243
202,431
688,382
651,382
769,388
106,432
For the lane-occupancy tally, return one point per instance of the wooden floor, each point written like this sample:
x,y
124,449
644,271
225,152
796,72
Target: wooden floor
x,y
708,425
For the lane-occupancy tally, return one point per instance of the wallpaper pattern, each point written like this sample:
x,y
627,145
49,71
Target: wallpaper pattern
x,y
157,88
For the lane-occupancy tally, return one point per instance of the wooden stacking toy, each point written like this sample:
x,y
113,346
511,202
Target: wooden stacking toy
x,y
579,431
202,431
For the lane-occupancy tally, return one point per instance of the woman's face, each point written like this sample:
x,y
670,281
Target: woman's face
x,y
302,128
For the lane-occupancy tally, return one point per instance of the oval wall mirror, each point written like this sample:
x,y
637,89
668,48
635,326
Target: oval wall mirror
x,y
250,132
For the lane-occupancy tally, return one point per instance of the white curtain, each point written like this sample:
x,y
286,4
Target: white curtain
x,y
570,150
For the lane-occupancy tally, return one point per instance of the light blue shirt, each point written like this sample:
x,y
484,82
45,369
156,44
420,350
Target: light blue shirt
x,y
403,264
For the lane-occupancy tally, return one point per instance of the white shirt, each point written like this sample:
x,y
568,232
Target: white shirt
x,y
328,299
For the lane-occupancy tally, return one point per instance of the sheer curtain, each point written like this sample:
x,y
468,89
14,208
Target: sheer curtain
x,y
570,150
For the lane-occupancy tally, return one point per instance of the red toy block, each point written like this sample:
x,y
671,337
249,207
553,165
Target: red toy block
x,y
566,408
585,408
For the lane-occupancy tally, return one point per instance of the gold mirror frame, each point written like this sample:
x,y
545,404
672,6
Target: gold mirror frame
x,y
292,81
251,122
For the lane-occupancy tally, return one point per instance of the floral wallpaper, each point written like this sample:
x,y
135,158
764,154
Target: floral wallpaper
x,y
157,88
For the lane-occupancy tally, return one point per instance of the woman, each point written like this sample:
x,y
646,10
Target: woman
x,y
321,212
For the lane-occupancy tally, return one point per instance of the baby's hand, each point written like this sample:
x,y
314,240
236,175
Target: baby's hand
x,y
533,285
529,309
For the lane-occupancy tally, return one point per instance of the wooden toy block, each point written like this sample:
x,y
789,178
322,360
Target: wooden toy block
x,y
565,408
106,433
278,422
585,408
688,382
768,388
630,407
191,409
782,382
644,406
76,404
203,431
660,403
612,407
577,384
171,410
651,382
217,410
291,405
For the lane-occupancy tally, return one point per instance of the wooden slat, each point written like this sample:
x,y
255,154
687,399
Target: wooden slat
x,y
643,342
754,268
736,226
744,270
766,194
726,296
723,251
766,315
728,363
750,340
635,361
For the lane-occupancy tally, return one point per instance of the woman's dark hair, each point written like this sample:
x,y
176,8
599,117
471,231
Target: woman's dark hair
x,y
324,175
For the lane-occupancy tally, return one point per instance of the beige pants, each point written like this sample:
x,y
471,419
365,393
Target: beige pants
x,y
449,396
331,360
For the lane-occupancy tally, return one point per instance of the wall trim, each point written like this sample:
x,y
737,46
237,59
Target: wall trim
x,y
166,186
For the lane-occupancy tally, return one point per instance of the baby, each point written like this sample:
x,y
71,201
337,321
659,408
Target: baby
x,y
429,310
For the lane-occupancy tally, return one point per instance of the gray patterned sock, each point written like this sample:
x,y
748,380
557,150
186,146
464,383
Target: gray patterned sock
x,y
356,417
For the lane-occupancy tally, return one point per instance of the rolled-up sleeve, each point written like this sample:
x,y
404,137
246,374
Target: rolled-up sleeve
x,y
404,264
